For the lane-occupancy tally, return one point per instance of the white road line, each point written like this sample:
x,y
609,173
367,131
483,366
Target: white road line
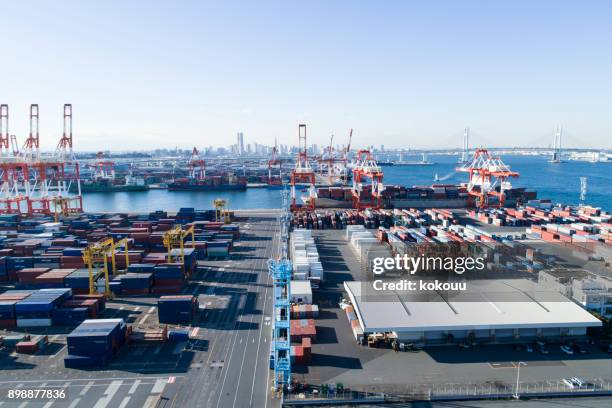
x,y
159,386
124,402
151,310
134,386
74,402
151,402
21,382
48,404
109,393
144,319
86,388
23,404
137,308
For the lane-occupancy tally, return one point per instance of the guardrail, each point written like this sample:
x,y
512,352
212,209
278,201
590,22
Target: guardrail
x,y
434,392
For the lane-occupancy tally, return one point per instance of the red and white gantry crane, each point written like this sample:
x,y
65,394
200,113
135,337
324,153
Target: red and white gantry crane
x,y
367,182
488,178
303,173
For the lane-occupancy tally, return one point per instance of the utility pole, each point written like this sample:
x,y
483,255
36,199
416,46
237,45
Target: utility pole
x,y
518,375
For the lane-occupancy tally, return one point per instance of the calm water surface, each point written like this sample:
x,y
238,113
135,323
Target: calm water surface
x,y
559,182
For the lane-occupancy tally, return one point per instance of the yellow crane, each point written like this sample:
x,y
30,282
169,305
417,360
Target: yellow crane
x,y
175,238
98,253
222,213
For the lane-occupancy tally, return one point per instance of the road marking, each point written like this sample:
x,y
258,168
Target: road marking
x,y
144,318
113,387
195,331
109,393
134,386
171,380
86,388
159,386
23,404
74,402
124,402
151,402
137,308
151,310
48,404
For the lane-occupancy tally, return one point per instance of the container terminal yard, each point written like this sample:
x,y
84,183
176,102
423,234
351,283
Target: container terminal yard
x,y
212,307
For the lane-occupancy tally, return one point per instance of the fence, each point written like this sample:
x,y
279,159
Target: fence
x,y
432,392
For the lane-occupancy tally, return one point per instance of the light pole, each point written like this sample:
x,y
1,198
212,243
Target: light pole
x,y
518,375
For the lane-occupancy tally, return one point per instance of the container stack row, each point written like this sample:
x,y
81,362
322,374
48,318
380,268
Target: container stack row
x,y
37,252
305,257
47,307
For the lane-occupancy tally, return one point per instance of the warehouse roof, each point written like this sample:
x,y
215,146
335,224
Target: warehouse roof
x,y
486,304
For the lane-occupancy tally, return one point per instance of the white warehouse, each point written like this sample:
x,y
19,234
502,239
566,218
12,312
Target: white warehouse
x,y
515,310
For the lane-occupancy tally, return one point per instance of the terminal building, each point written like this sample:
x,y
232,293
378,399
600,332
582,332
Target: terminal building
x,y
488,311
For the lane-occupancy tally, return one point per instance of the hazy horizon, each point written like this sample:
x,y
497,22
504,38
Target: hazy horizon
x,y
401,74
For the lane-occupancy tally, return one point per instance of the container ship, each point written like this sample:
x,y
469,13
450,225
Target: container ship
x,y
395,196
112,185
210,183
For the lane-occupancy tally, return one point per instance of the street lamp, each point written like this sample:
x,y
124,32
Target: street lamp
x,y
518,374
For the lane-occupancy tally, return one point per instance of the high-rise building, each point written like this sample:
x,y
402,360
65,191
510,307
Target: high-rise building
x,y
240,143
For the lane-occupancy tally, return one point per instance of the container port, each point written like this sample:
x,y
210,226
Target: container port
x,y
170,317
216,307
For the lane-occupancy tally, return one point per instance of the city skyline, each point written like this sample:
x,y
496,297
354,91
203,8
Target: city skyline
x,y
150,74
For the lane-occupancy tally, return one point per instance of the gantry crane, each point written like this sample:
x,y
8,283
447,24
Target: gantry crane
x,y
97,254
303,173
366,169
197,166
175,239
275,162
488,178
32,144
222,213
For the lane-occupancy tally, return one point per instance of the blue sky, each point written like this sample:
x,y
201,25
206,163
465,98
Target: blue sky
x,y
414,74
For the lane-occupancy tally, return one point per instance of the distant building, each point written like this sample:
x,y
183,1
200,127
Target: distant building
x,y
240,144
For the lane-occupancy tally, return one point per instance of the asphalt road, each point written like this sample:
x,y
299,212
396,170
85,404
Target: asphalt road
x,y
234,371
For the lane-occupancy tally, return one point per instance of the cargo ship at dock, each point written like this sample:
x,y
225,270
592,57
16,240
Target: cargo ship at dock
x,y
213,183
434,196
111,185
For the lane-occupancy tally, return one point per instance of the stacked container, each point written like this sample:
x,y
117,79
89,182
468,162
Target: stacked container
x,y
303,328
94,342
135,283
36,310
304,311
8,300
305,257
177,309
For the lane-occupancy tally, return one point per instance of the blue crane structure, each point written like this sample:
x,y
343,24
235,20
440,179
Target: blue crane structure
x,y
281,269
